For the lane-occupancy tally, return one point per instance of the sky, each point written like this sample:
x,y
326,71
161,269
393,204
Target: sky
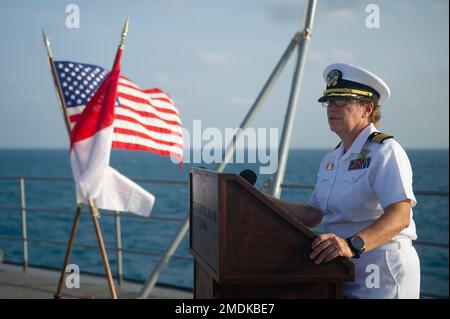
x,y
213,58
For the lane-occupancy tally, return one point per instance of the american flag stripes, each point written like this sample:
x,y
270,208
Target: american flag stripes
x,y
145,120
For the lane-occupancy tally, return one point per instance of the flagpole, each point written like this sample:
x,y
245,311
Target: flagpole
x,y
63,109
94,211
76,220
124,34
95,215
56,82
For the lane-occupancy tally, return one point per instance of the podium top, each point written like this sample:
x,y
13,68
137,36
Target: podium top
x,y
239,234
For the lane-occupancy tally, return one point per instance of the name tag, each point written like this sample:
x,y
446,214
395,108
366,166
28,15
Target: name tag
x,y
359,163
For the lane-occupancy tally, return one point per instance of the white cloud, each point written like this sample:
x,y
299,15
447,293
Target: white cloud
x,y
284,12
292,11
337,55
163,79
241,101
405,7
37,99
318,58
340,14
439,6
342,56
213,58
438,71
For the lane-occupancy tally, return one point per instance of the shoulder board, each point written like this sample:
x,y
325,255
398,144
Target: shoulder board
x,y
338,145
379,137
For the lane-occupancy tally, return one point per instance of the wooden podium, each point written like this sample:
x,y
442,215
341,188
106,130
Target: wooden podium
x,y
247,246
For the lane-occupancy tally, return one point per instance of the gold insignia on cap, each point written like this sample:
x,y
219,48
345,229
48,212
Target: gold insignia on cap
x,y
347,92
333,77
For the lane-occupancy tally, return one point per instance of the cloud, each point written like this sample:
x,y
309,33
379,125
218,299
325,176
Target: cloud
x,y
292,11
342,55
341,10
318,58
282,12
337,55
341,5
439,6
213,58
405,7
163,79
438,71
241,101
340,14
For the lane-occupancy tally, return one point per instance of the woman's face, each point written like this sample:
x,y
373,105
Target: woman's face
x,y
348,117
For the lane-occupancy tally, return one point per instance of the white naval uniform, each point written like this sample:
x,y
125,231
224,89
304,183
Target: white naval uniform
x,y
350,200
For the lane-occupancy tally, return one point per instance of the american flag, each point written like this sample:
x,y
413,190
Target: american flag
x,y
145,120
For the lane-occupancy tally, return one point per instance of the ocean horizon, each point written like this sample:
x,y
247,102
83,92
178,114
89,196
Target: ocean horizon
x,y
430,167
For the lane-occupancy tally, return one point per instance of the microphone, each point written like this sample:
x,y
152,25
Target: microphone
x,y
249,176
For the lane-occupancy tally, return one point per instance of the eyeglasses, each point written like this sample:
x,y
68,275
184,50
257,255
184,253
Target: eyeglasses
x,y
339,101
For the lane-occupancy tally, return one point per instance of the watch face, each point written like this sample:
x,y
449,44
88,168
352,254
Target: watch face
x,y
358,243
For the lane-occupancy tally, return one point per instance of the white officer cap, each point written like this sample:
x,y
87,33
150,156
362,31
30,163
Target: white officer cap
x,y
344,79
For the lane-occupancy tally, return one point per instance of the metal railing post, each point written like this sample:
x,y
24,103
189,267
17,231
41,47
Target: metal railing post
x,y
119,248
176,240
24,223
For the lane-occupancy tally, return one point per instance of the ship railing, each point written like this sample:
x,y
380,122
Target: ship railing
x,y
118,248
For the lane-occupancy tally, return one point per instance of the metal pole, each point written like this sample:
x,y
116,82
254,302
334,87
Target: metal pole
x,y
119,249
63,108
151,281
62,274
293,98
258,102
24,224
95,215
59,91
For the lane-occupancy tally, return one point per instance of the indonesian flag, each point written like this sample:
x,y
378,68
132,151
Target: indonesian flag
x,y
90,149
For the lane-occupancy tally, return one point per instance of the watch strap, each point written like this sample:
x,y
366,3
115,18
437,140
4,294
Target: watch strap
x,y
357,253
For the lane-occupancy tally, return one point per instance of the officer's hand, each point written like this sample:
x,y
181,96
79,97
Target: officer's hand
x,y
329,246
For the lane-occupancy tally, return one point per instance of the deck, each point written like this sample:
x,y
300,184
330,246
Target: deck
x,y
37,283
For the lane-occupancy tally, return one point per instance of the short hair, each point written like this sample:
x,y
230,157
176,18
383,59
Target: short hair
x,y
375,116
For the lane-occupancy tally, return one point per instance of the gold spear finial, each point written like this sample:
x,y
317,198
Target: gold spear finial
x,y
46,43
124,34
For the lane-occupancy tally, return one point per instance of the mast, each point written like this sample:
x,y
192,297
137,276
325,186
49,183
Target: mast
x,y
303,46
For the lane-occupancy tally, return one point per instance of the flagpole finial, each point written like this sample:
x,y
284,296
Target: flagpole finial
x,y
46,43
124,34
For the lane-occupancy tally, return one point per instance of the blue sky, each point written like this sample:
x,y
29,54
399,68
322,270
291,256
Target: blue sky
x,y
213,57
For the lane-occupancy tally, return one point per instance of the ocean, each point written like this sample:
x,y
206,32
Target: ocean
x,y
431,214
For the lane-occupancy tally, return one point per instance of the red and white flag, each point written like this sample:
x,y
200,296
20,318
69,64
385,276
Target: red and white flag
x,y
90,148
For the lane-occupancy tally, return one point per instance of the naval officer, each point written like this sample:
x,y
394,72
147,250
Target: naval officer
x,y
363,195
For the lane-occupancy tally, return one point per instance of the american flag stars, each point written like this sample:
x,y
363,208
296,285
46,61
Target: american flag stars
x,y
79,81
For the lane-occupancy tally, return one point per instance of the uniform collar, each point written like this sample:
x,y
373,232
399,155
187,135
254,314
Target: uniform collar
x,y
359,142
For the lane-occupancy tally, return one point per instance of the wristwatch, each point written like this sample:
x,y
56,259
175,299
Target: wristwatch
x,y
357,245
